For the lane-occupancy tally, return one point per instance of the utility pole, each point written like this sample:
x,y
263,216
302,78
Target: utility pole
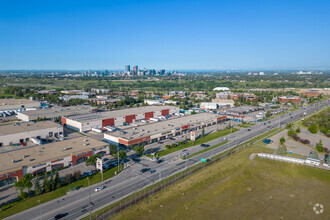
x,y
40,209
90,203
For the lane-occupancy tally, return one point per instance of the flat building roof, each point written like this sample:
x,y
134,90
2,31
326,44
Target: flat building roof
x,y
154,128
22,127
118,113
9,102
44,153
58,110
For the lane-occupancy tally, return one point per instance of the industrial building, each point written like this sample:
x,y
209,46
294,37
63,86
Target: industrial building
x,y
116,118
156,131
17,104
20,133
311,93
54,113
291,99
44,158
209,106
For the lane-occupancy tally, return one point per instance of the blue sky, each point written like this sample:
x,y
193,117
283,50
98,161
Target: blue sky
x,y
205,34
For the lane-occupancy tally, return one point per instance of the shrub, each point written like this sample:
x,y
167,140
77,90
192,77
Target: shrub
x,y
174,145
304,141
295,137
319,147
313,128
167,146
298,130
282,140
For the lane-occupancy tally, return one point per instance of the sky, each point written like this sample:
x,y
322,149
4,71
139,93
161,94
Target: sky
x,y
171,34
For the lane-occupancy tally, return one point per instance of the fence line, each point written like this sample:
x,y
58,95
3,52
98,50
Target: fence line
x,y
149,191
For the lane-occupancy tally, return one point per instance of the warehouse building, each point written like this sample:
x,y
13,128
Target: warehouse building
x,y
156,131
17,104
20,133
40,159
54,113
116,118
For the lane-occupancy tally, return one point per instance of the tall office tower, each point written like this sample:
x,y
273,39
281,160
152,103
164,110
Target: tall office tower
x,y
135,70
127,69
162,72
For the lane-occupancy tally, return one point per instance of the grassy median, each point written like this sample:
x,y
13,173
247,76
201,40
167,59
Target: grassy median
x,y
30,202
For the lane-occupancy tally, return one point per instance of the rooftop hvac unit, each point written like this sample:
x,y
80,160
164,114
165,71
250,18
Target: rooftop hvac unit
x,y
85,140
14,161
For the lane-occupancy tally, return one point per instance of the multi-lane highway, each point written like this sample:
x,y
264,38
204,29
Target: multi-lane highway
x,y
129,181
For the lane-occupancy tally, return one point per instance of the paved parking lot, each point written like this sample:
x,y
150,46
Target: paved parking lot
x,y
292,145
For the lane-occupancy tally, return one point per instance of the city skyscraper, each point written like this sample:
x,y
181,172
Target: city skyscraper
x,y
127,69
135,70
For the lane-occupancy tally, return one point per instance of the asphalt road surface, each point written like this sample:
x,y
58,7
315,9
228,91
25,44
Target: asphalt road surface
x,y
129,181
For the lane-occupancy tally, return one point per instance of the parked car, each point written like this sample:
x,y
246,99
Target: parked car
x,y
144,170
160,160
99,188
152,171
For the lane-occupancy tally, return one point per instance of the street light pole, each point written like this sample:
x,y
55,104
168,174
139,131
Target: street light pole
x,y
40,209
90,203
118,157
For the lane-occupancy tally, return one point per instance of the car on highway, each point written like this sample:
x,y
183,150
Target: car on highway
x,y
224,138
184,154
160,160
249,129
59,216
99,188
144,170
205,145
152,171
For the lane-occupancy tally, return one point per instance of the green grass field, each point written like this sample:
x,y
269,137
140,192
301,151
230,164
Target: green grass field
x,y
239,188
30,202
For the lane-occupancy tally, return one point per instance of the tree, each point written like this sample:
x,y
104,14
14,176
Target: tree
x,y
313,128
46,183
167,146
319,147
57,181
314,154
27,181
51,181
20,186
298,130
77,175
290,132
139,149
282,140
113,149
236,104
203,132
37,186
91,161
122,154
281,149
268,114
